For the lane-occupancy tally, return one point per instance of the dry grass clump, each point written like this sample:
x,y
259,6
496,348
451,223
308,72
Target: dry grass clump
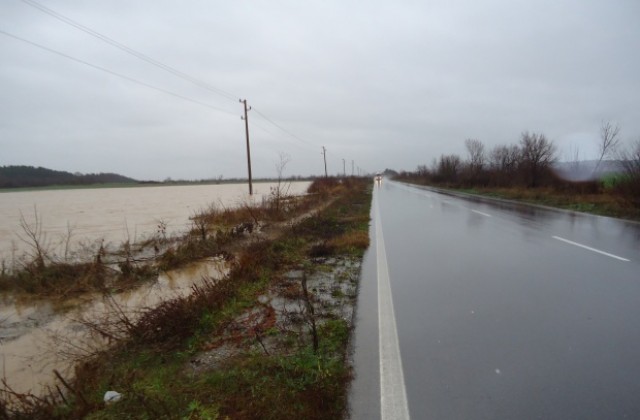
x,y
347,242
597,203
333,186
172,322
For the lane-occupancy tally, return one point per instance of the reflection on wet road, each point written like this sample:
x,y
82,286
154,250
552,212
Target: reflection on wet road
x,y
505,311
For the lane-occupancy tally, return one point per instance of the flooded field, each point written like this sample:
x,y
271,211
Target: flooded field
x,y
37,337
114,215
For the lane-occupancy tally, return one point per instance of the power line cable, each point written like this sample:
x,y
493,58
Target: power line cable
x,y
295,136
339,159
153,61
261,127
131,79
301,146
149,60
306,145
300,139
129,50
284,129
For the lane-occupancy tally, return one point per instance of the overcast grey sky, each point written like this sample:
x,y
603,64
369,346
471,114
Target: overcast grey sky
x,y
388,84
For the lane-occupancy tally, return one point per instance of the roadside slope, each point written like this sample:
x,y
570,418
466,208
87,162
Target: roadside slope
x,y
268,341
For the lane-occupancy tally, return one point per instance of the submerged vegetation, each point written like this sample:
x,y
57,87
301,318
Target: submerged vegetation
x,y
52,270
269,340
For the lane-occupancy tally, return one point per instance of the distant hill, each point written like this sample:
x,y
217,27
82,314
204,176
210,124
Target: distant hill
x,y
587,169
29,176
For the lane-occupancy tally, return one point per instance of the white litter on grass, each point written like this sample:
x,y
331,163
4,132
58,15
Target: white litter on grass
x,y
112,396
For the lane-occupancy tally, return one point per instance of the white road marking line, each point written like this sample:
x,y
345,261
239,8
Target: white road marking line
x,y
589,248
481,213
393,395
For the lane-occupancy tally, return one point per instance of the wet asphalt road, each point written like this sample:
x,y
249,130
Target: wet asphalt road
x,y
502,311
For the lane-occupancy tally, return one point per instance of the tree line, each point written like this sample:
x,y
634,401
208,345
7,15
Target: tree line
x,y
19,176
530,164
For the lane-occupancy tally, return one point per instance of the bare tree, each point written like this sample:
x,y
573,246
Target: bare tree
x,y
449,167
200,221
281,164
35,238
475,149
537,155
423,171
499,158
281,190
504,161
609,141
629,186
67,242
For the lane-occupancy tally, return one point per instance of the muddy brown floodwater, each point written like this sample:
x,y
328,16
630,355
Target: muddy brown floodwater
x,y
114,214
36,338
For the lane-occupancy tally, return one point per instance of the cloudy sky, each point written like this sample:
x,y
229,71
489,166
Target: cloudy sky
x,y
390,84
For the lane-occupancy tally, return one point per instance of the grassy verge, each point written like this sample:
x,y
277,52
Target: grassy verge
x,y
602,203
268,341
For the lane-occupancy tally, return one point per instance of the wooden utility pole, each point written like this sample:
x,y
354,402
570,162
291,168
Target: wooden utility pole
x,y
246,127
352,166
324,153
344,167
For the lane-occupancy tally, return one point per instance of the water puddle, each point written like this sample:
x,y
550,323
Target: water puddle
x,y
281,313
36,338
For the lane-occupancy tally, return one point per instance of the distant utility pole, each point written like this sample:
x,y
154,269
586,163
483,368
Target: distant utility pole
x,y
324,153
246,127
352,171
344,167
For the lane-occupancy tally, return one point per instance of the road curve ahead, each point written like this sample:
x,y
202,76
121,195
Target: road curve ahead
x,y
500,312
